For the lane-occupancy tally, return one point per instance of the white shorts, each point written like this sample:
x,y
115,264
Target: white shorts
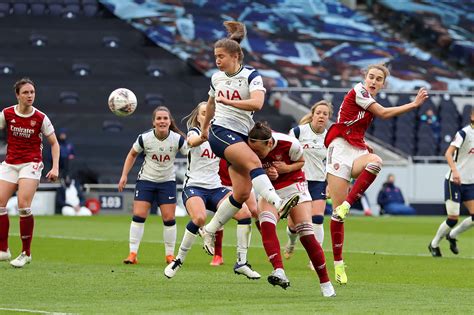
x,y
300,189
341,156
12,172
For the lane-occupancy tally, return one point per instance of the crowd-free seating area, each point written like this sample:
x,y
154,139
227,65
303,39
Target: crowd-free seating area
x,y
314,43
445,27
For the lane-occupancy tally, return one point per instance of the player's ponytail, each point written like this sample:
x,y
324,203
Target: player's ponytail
x,y
260,132
173,125
309,116
236,33
191,119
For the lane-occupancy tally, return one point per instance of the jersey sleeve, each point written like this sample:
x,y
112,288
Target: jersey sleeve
x,y
193,132
256,82
296,151
458,139
363,97
183,145
47,128
138,144
2,120
212,89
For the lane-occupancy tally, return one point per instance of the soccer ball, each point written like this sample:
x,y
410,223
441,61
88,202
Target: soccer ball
x,y
122,102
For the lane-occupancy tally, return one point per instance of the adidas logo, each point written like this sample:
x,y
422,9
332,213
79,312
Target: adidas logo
x,y
13,121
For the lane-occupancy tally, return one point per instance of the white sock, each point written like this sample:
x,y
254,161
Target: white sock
x,y
136,234
243,239
224,213
186,244
263,186
291,236
169,238
319,233
443,230
465,225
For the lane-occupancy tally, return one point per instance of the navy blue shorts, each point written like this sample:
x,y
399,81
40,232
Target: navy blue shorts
x,y
317,189
458,193
211,197
220,138
161,193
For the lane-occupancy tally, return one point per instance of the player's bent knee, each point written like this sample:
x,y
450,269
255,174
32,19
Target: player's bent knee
x,y
452,208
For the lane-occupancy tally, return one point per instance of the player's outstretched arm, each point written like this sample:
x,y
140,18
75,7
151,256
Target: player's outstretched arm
x,y
254,103
127,166
390,112
54,172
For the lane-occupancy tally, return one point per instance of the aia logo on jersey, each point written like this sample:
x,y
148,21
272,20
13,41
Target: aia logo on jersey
x,y
365,93
33,123
208,153
161,158
235,95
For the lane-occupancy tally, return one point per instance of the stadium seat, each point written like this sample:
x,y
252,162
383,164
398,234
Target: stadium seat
x,y
466,115
154,71
20,7
72,9
112,126
111,41
69,98
154,99
55,7
4,8
81,69
90,7
7,68
37,7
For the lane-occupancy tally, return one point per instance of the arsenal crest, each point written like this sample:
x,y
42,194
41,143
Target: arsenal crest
x,y
33,123
278,157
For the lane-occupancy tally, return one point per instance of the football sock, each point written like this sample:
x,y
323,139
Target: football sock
x,y
443,230
243,240
363,182
313,249
4,228
270,239
465,225
27,224
189,237
137,227
169,236
337,237
263,186
292,235
227,209
218,243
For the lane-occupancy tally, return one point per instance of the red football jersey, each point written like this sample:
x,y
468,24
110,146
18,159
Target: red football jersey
x,y
224,173
25,134
289,150
353,118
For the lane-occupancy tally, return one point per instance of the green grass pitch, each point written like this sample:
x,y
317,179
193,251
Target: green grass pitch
x,y
77,268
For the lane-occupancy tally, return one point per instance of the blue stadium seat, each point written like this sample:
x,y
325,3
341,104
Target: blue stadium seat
x,y
37,7
20,7
90,7
4,8
7,68
426,149
154,99
38,40
466,115
72,8
69,98
55,7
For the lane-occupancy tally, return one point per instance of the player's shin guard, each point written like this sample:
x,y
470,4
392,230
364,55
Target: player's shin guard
x,y
227,209
218,242
270,239
4,228
465,225
137,227
337,237
314,250
263,186
27,224
169,236
443,230
365,179
243,239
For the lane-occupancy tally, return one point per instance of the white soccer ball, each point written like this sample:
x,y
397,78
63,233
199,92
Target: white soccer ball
x,y
122,102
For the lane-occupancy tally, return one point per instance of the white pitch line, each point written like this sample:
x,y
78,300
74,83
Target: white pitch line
x,y
31,311
96,239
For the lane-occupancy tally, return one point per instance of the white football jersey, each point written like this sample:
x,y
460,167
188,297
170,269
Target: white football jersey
x,y
314,151
203,165
235,87
158,164
464,155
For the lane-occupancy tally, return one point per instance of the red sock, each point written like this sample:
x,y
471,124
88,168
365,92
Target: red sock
x,y
4,227
218,243
271,244
316,255
26,231
337,237
257,224
365,179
